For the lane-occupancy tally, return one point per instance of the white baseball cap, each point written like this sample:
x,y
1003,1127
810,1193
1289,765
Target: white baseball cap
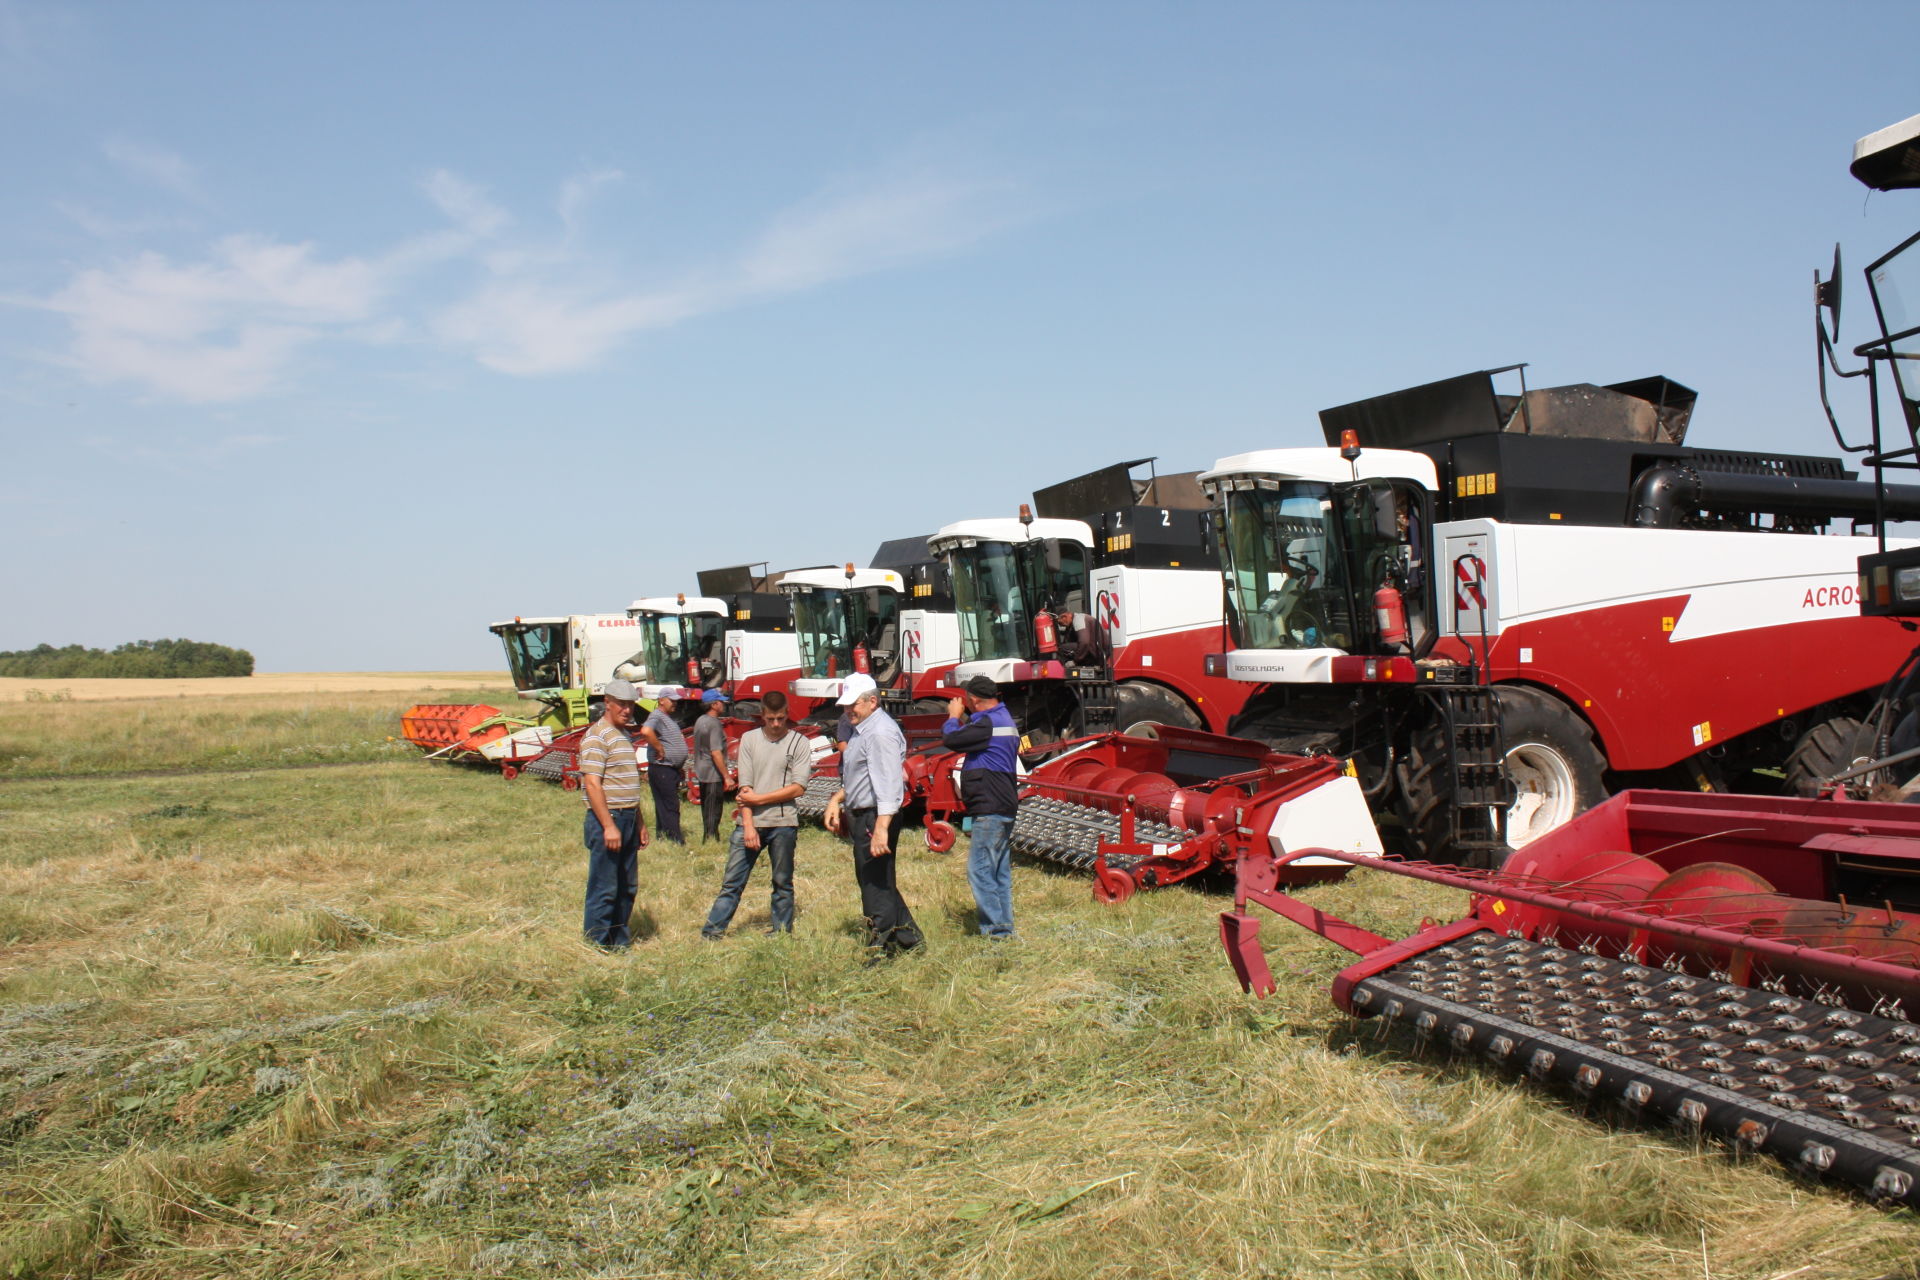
x,y
853,686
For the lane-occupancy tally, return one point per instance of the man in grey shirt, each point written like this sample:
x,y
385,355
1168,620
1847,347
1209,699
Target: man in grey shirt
x,y
867,811
667,752
710,762
774,765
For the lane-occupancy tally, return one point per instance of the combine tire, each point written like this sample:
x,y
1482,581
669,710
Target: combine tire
x,y
1136,702
929,706
1830,747
748,710
940,836
1557,772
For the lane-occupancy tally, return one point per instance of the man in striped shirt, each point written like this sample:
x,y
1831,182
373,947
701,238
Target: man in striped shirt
x,y
867,810
610,780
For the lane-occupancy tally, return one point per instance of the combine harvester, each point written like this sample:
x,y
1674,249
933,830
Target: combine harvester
x,y
562,663
1096,613
892,620
1538,594
1744,966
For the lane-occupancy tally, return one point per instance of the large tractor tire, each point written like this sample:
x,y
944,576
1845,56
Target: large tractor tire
x,y
1830,747
747,710
1136,702
928,706
1557,773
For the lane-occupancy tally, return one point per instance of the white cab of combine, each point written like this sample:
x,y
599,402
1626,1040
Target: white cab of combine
x,y
682,639
548,656
846,620
1153,621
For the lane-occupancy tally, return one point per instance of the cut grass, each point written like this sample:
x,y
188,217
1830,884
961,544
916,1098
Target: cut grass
x,y
245,731
339,1023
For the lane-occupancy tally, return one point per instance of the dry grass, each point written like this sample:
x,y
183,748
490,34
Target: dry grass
x,y
337,1023
23,689
250,731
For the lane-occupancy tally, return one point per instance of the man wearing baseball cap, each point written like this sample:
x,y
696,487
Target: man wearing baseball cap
x,y
980,725
614,832
866,810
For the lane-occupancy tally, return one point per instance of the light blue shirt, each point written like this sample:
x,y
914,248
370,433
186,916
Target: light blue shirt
x,y
873,765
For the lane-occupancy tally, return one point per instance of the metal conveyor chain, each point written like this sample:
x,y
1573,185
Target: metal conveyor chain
x,y
1064,832
1828,1090
812,803
550,764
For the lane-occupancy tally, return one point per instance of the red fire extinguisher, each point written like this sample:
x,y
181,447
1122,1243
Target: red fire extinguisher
x,y
833,665
1043,632
1390,615
860,662
693,673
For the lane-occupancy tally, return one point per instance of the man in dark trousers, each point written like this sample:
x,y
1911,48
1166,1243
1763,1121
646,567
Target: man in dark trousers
x,y
980,725
867,811
710,762
666,753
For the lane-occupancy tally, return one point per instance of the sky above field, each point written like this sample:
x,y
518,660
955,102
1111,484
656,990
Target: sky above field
x,y
338,332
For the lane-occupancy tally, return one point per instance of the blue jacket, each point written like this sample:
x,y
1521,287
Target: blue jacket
x,y
989,780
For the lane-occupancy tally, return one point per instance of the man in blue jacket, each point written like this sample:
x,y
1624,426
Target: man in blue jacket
x,y
980,725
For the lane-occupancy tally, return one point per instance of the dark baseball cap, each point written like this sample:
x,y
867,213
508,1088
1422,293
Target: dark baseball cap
x,y
982,687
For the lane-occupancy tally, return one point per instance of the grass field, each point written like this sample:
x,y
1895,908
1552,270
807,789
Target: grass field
x,y
307,1022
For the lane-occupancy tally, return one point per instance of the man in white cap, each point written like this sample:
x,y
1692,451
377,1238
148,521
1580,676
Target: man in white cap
x,y
610,781
866,809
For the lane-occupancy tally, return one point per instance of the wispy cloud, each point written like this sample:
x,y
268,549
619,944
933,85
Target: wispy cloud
x,y
156,166
233,324
549,319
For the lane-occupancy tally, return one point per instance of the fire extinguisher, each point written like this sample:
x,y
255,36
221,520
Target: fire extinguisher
x,y
833,665
1390,615
693,673
1044,634
860,662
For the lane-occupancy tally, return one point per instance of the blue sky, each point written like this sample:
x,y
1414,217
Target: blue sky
x,y
340,331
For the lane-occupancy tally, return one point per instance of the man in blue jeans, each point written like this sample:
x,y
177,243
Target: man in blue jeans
x,y
773,764
980,725
610,778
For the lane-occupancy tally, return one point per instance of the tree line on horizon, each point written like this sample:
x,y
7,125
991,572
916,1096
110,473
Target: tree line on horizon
x,y
146,659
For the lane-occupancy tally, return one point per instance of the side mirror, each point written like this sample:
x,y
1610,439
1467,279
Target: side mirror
x,y
1826,294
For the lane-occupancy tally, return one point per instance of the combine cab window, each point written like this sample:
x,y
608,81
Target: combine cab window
x,y
1895,281
537,656
826,651
664,648
1287,576
989,598
706,637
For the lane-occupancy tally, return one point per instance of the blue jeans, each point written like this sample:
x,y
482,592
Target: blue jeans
x,y
778,845
611,878
990,872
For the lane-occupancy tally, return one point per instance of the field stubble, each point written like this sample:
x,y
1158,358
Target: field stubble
x,y
338,1022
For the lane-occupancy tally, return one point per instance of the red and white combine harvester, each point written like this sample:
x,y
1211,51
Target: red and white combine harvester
x,y
1496,605
1096,613
892,620
1746,966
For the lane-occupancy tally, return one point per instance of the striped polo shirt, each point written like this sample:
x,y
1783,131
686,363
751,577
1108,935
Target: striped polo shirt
x,y
607,753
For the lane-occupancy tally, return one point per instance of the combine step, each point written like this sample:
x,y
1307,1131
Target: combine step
x,y
1064,832
1831,1091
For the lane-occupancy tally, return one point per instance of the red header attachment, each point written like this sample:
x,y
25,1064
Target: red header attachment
x,y
1349,444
